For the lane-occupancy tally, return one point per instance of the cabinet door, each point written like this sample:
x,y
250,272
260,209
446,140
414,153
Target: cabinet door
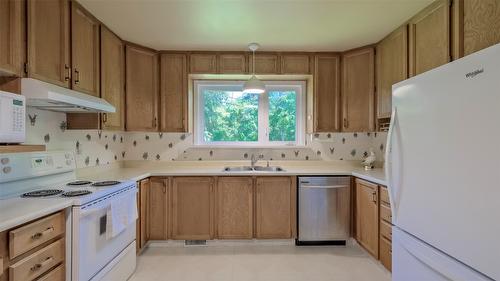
x,y
367,216
327,93
392,67
429,40
112,79
173,93
295,64
274,214
481,20
158,212
144,187
232,63
84,50
358,74
235,208
203,63
192,208
141,89
12,46
265,64
48,41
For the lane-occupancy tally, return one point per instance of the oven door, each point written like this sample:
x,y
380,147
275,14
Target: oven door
x,y
92,251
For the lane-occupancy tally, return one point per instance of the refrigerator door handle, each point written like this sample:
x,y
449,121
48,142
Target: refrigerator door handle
x,y
388,161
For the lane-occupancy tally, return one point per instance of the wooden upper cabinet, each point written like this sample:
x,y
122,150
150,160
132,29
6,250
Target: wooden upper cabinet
x,y
295,64
193,208
358,74
12,44
113,79
327,93
48,41
235,208
481,24
392,67
85,50
141,89
233,63
367,219
157,209
173,93
265,64
203,63
429,39
275,203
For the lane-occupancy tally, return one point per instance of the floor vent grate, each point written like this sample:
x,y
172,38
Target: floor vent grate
x,y
195,242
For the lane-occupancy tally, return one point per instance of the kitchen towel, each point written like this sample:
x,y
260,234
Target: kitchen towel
x,y
121,213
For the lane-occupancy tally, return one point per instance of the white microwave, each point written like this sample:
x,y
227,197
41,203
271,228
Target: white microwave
x,y
12,118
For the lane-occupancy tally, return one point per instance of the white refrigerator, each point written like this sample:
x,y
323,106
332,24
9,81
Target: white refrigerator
x,y
443,171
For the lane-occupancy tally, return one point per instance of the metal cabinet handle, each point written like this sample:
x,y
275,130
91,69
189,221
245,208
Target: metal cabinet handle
x,y
42,264
77,76
68,72
40,234
374,197
155,121
346,123
104,117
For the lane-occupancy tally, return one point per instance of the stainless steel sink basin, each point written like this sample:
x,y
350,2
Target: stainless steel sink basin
x,y
256,169
238,169
268,169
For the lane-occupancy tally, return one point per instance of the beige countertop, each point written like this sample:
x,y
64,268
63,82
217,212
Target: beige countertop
x,y
17,211
137,170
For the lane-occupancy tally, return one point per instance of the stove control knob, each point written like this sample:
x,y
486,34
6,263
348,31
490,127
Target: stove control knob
x,y
4,161
68,162
7,169
67,156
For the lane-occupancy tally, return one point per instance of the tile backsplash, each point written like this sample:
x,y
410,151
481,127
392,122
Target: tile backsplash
x,y
96,147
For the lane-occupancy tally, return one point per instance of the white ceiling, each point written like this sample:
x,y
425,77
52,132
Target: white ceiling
x,y
287,25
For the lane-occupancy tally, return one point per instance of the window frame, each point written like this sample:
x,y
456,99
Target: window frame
x,y
298,86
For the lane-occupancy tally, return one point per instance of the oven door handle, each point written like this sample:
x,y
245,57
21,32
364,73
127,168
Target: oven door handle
x,y
90,211
103,205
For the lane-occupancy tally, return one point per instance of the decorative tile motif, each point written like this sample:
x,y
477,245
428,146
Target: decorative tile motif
x,y
178,146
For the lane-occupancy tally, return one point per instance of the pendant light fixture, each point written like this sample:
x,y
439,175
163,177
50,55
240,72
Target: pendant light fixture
x,y
253,85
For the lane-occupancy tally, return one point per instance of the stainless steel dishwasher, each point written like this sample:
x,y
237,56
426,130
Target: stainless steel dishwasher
x,y
324,205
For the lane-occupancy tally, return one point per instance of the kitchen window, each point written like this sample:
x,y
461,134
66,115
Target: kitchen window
x,y
225,116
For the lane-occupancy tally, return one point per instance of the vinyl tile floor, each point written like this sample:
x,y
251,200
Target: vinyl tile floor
x,y
258,263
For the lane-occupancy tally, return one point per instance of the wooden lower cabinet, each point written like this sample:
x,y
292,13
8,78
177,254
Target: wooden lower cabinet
x,y
367,218
24,258
373,220
157,209
235,208
193,208
275,212
141,226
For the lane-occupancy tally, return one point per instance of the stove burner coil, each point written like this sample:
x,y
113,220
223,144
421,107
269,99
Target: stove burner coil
x,y
42,193
105,183
79,183
76,193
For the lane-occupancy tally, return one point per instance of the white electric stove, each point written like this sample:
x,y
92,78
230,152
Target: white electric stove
x,y
26,177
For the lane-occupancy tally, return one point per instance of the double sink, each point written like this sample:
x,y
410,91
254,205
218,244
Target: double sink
x,y
254,169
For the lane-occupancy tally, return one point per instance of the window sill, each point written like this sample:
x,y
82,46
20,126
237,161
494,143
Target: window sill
x,y
247,146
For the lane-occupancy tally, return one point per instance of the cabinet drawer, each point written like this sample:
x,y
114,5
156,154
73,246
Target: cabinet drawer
x,y
57,274
386,253
385,213
386,230
384,195
37,263
34,234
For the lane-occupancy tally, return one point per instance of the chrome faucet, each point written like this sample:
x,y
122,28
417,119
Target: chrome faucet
x,y
253,160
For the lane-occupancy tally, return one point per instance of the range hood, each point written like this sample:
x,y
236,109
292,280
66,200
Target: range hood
x,y
47,96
